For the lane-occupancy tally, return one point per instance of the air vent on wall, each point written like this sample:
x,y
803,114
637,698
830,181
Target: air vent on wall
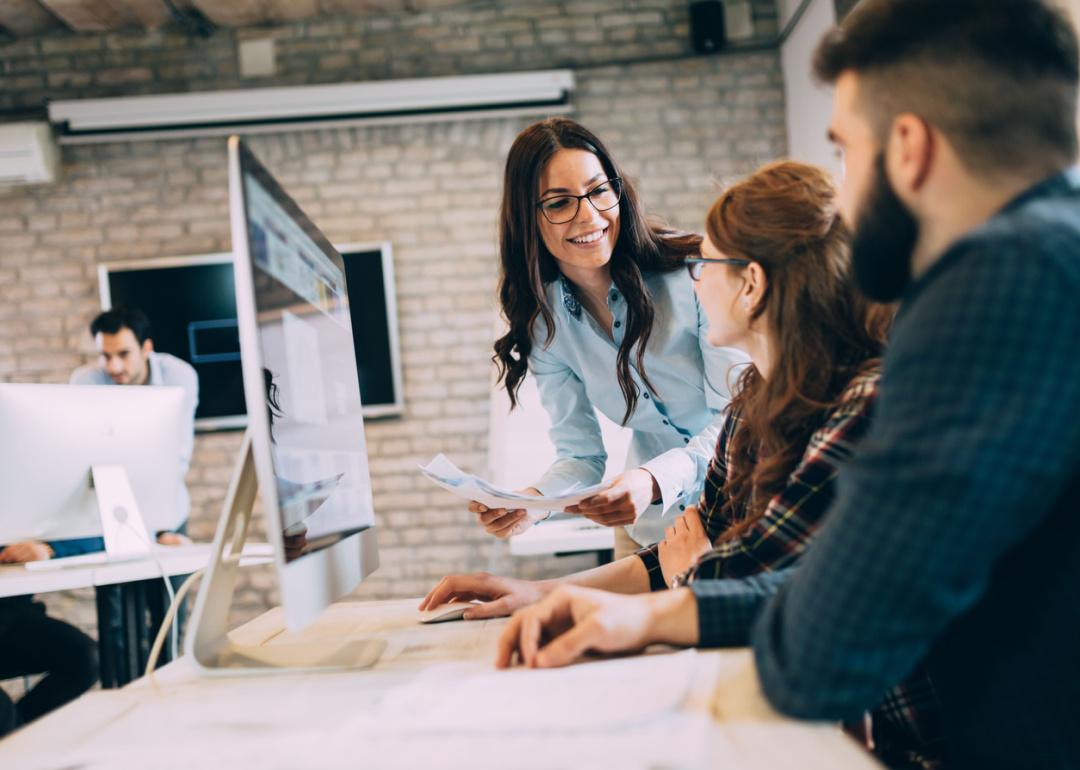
x,y
28,154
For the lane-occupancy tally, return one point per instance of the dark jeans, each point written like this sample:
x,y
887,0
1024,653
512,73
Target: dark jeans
x,y
129,616
33,643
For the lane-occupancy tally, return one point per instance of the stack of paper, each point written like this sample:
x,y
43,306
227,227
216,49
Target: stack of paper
x,y
470,487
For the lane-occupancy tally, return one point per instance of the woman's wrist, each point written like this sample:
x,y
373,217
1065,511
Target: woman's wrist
x,y
673,617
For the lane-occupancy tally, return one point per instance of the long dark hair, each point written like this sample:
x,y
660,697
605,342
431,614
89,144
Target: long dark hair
x,y
824,333
527,265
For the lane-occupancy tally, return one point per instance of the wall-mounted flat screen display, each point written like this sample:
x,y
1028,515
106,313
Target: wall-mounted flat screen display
x,y
191,304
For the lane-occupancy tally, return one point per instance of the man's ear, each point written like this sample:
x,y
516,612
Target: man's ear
x,y
147,346
909,154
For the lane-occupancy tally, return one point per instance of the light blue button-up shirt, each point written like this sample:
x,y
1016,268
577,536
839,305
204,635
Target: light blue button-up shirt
x,y
165,369
675,426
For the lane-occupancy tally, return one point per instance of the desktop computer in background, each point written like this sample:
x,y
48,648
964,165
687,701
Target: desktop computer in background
x,y
304,450
89,460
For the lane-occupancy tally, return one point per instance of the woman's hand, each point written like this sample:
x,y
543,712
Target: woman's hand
x,y
573,620
503,523
501,596
684,543
622,502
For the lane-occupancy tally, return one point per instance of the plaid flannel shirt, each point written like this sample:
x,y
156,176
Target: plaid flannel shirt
x,y
792,516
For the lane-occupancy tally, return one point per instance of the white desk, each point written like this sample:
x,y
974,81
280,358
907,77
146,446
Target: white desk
x,y
142,601
331,720
564,535
16,580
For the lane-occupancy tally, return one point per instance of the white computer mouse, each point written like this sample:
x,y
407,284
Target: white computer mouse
x,y
445,612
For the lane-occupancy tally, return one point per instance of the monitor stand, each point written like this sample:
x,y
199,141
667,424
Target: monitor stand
x,y
122,525
208,641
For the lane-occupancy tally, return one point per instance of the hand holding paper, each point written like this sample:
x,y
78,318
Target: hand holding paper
x,y
469,487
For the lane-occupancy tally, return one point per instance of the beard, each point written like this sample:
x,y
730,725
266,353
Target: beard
x,y
883,240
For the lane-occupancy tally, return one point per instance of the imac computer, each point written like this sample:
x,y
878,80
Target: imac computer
x,y
75,460
304,450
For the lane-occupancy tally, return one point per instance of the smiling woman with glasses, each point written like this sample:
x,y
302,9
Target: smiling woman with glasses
x,y
603,317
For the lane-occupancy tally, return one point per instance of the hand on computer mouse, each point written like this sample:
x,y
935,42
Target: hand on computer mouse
x,y
500,595
18,553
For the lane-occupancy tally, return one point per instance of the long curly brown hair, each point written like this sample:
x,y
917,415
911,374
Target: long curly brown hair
x,y
824,333
527,265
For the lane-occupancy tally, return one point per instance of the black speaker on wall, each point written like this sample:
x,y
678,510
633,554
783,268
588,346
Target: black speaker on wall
x,y
707,25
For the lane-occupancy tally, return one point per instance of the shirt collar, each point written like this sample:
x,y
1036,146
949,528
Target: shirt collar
x,y
155,370
1058,184
569,298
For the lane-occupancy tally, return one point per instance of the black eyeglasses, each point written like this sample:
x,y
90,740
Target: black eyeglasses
x,y
560,209
694,265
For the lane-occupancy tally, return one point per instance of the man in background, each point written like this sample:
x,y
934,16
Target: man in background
x,y
126,356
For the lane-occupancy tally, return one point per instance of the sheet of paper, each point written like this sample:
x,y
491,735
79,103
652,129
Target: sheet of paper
x,y
469,487
626,712
586,696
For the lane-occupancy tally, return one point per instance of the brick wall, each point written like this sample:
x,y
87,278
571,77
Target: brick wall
x,y
484,37
677,123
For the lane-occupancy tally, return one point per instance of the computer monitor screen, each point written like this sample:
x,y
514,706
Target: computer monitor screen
x,y
300,372
52,436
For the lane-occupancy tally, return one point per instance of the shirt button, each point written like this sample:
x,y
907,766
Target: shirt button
x,y
614,295
682,507
686,440
666,422
618,324
645,395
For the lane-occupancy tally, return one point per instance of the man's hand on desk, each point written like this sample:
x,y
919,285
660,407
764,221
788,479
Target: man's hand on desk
x,y
573,620
173,538
18,553
500,595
